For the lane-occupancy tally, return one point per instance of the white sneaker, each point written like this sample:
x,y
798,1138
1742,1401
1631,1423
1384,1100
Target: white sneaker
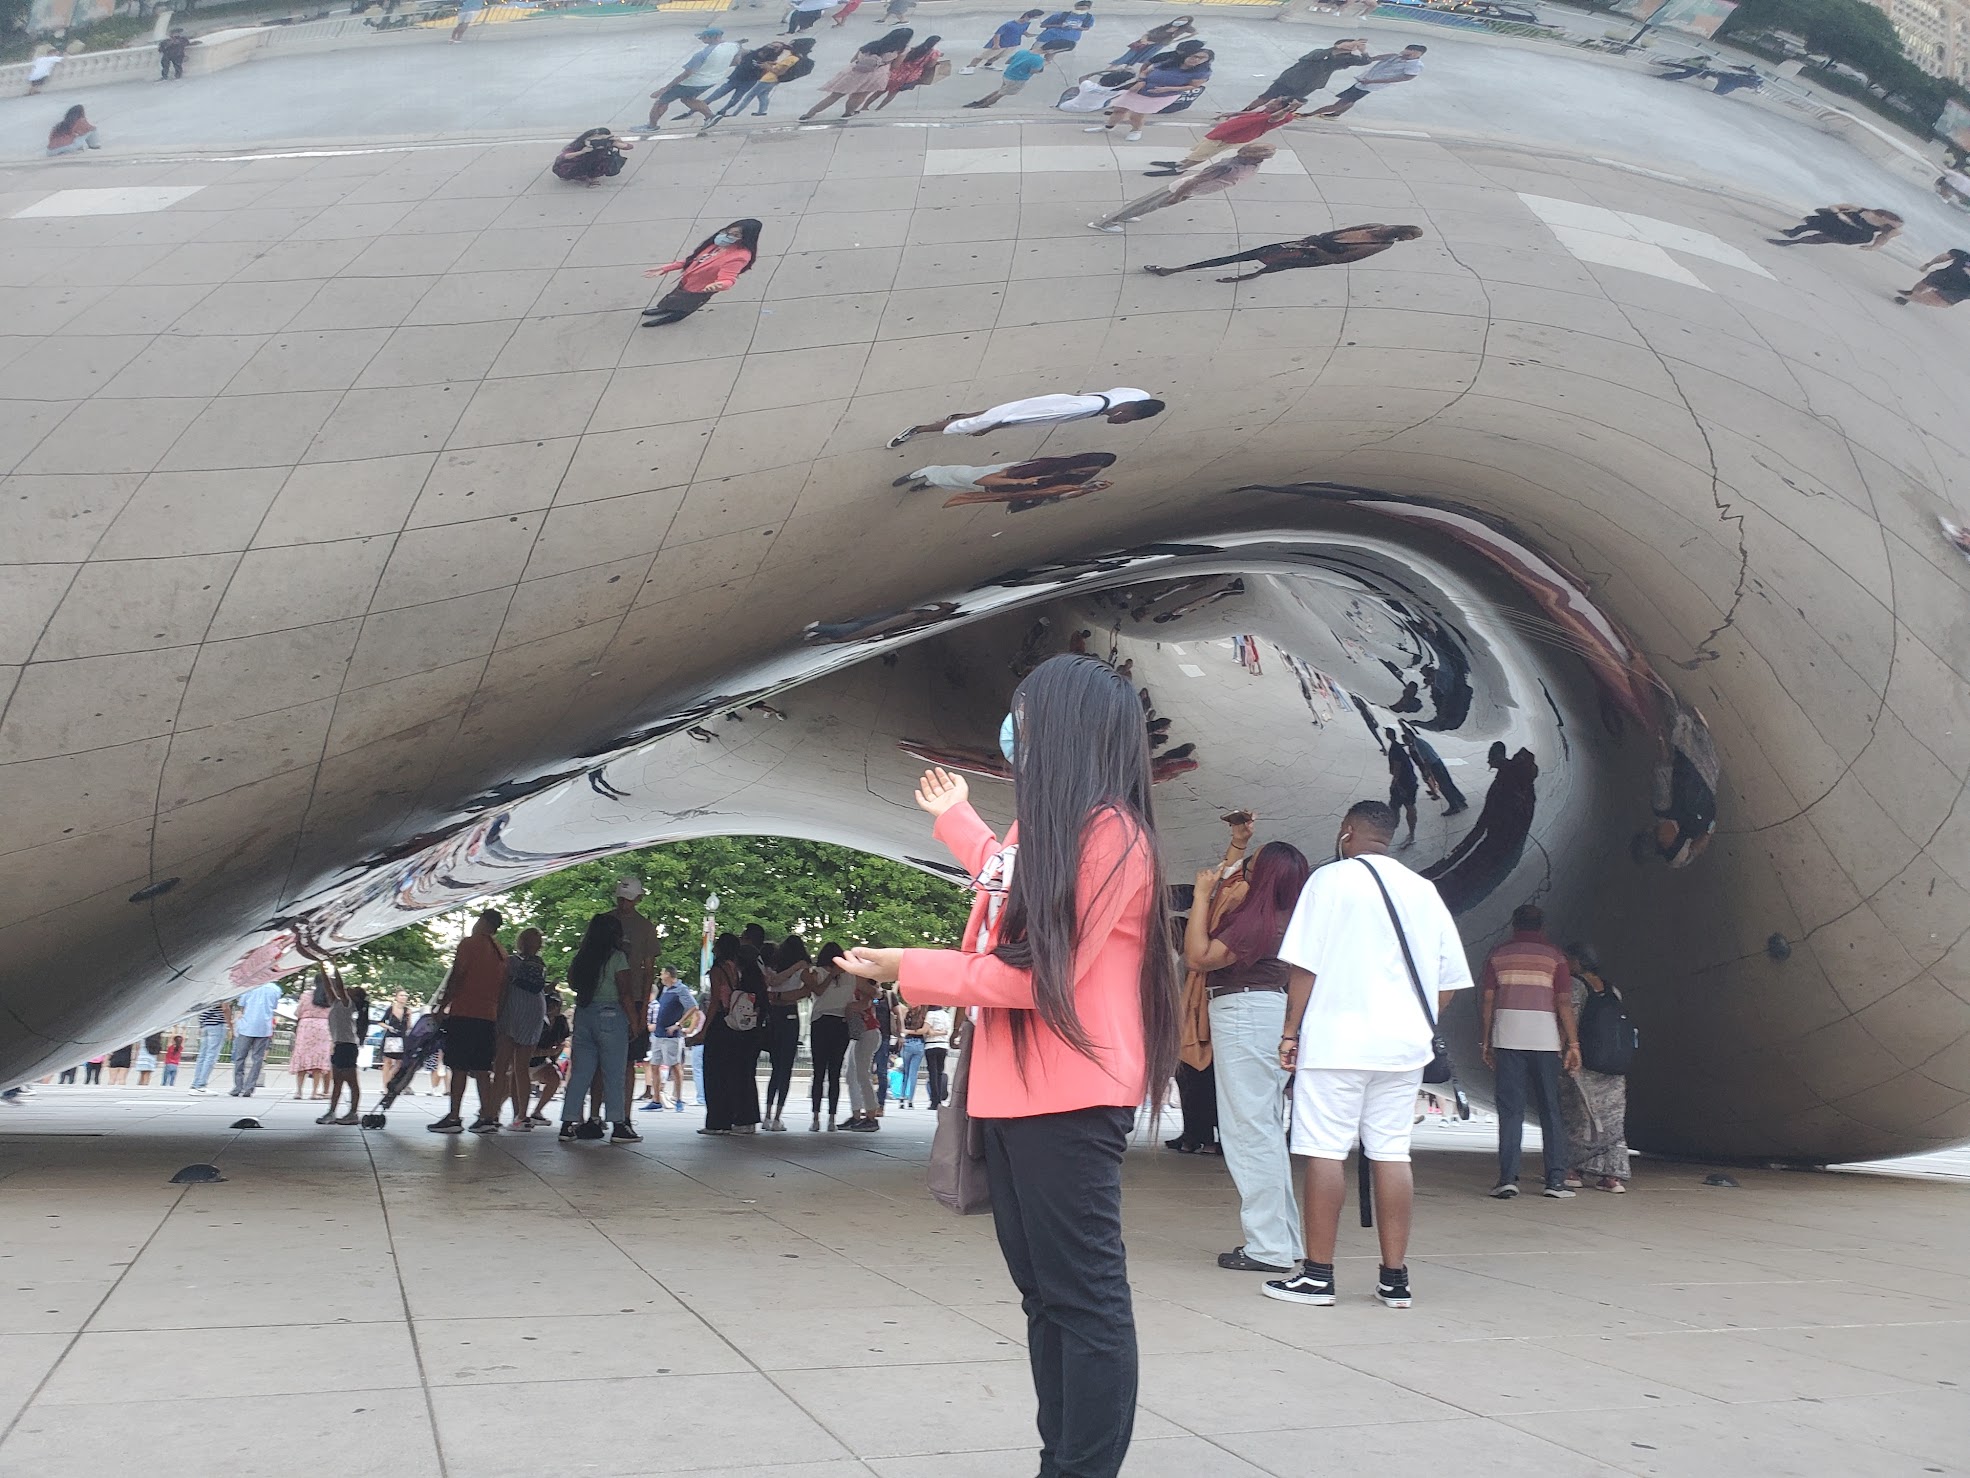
x,y
1111,230
1096,128
1134,134
966,71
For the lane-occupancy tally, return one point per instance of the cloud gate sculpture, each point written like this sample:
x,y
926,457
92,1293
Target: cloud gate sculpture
x,y
365,553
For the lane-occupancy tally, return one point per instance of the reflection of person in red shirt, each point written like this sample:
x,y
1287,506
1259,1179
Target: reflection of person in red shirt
x,y
469,1003
1236,129
712,266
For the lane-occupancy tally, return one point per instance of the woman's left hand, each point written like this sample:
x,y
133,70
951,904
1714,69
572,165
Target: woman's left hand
x,y
1207,879
655,271
880,965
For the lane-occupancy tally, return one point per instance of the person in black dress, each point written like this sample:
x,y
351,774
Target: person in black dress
x,y
1324,249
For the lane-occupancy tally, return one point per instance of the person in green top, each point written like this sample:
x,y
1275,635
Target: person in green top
x,y
605,1006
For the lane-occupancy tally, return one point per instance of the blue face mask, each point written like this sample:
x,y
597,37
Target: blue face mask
x,y
1008,741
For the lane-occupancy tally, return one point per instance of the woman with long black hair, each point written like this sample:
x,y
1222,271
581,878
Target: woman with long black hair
x,y
595,155
605,1005
836,995
735,1015
786,987
712,266
866,74
1068,968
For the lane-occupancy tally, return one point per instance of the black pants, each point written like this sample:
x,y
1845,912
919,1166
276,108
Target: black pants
x,y
169,67
1197,1091
674,305
827,1041
1536,1074
731,1085
68,1075
92,1072
1057,1207
933,1066
782,1047
800,20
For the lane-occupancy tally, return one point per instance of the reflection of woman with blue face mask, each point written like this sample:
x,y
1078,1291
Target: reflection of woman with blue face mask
x,y
712,266
1068,973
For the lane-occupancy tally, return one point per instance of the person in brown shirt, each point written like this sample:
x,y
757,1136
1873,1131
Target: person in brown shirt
x,y
469,1003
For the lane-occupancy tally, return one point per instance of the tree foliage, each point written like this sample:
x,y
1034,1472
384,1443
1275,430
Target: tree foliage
x,y
410,959
820,891
1849,31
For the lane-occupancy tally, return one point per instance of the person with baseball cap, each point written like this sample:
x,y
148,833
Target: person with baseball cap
x,y
703,70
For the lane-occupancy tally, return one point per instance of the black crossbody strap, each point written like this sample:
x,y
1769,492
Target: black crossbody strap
x,y
1409,960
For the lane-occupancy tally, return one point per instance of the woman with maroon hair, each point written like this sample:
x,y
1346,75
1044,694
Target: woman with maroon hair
x,y
1247,984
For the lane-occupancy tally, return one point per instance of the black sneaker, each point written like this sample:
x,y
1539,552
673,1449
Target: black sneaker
x,y
484,1126
449,1124
625,1135
1503,1191
567,1134
589,1129
1392,1287
1307,1286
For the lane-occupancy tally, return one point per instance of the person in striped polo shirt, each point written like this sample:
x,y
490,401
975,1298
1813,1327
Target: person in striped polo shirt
x,y
1526,997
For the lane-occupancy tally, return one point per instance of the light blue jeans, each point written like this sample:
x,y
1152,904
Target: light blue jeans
x,y
698,1074
601,1045
1245,1032
910,1066
210,1040
248,1054
168,1075
90,140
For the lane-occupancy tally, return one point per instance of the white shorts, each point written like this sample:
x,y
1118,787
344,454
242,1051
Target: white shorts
x,y
666,1051
1333,1107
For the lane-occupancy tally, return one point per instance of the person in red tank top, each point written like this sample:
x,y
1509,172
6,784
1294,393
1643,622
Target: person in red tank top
x,y
1069,974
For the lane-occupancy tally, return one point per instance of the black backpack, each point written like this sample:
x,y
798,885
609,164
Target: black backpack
x,y
1608,1039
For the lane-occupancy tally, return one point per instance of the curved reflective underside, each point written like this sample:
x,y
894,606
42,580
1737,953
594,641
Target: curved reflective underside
x,y
343,596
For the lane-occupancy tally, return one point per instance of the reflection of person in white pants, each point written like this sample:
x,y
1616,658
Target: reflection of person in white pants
x,y
1247,983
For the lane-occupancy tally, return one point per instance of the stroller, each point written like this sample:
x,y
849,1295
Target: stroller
x,y
421,1044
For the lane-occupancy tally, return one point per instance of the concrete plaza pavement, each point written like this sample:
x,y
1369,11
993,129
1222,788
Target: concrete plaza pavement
x,y
794,1306
552,80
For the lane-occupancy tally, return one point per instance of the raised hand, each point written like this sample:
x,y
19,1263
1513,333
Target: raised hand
x,y
939,790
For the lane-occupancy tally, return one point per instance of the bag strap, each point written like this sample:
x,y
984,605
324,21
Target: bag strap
x,y
1408,960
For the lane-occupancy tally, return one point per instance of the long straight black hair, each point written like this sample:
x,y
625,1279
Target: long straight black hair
x,y
748,230
602,939
1081,749
894,44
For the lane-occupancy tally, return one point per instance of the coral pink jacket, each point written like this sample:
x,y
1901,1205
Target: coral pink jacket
x,y
1112,901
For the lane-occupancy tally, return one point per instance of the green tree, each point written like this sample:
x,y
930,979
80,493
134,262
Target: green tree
x,y
410,959
1849,31
823,892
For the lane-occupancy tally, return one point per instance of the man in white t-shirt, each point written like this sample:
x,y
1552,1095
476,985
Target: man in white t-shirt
x,y
703,70
1357,1039
1117,407
1385,71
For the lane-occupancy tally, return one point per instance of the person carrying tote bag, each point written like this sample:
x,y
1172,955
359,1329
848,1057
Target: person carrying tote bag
x,y
1069,970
